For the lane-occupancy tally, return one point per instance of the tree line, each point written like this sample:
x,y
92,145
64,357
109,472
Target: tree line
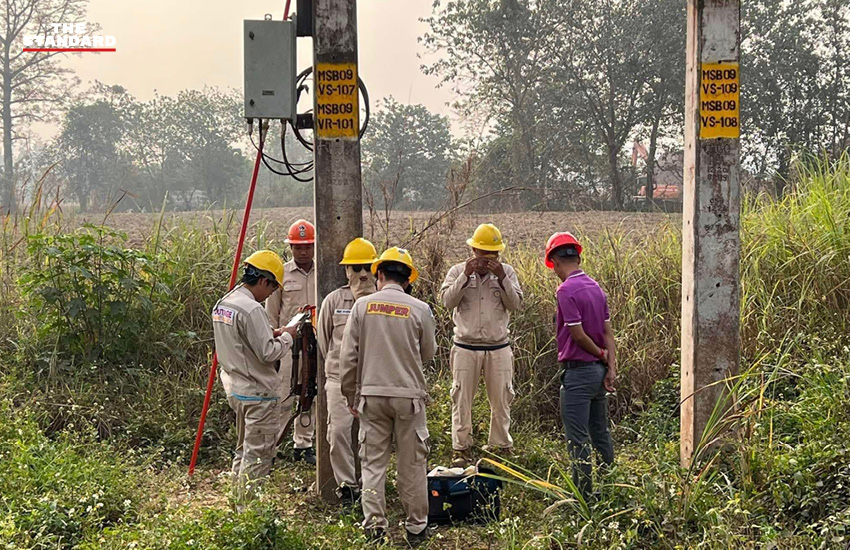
x,y
564,86
192,151
553,94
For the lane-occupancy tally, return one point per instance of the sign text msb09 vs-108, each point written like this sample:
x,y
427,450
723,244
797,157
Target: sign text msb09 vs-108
x,y
719,101
337,111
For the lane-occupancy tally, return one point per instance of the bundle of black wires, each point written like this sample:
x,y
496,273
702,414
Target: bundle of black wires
x,y
296,170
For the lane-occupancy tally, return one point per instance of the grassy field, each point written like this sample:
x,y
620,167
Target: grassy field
x,y
105,342
528,229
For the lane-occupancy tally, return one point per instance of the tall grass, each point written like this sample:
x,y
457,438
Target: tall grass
x,y
794,283
784,476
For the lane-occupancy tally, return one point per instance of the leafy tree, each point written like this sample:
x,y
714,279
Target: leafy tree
x,y
567,79
613,58
664,113
186,148
34,84
407,153
795,81
90,144
498,62
154,140
209,124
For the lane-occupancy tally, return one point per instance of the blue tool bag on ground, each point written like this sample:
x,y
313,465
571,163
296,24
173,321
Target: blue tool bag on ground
x,y
465,497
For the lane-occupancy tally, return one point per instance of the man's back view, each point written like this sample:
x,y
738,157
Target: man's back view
x,y
389,337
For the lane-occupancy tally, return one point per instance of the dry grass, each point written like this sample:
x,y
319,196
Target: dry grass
x,y
529,229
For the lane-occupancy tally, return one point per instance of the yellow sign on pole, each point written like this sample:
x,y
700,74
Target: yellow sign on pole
x,y
337,109
719,101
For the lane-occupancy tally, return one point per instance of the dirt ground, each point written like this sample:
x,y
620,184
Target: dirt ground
x,y
529,229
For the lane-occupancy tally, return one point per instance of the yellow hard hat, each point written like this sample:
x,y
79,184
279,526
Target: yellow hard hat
x,y
396,254
487,237
359,252
267,261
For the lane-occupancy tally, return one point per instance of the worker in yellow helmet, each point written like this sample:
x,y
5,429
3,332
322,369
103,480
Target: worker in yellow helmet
x,y
482,292
387,341
357,258
249,352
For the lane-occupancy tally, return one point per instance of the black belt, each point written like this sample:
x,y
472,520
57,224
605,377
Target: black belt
x,y
482,348
569,365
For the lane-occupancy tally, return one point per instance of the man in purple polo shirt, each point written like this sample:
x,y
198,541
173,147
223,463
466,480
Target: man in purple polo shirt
x,y
587,354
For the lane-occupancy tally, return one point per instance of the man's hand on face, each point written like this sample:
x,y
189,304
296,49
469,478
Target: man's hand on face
x,y
471,266
496,267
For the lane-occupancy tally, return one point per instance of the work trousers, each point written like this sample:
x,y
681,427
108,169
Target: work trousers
x,y
256,435
498,367
340,423
304,426
383,419
584,410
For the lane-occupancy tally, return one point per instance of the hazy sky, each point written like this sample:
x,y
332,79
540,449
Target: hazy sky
x,y
171,45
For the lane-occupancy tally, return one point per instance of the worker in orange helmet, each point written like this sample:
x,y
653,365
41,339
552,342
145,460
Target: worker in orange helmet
x,y
298,290
587,355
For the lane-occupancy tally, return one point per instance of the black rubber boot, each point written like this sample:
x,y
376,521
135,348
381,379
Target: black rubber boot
x,y
307,455
348,496
418,539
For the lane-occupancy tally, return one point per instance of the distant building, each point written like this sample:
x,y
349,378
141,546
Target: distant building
x,y
667,176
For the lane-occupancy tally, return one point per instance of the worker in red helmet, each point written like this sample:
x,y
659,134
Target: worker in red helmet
x,y
587,356
298,290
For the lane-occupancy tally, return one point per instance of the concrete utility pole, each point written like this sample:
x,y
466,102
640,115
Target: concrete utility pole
x,y
338,194
712,203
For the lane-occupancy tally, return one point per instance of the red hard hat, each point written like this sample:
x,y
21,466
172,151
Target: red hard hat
x,y
558,240
301,232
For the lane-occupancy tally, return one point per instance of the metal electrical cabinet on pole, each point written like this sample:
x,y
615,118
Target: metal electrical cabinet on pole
x,y
338,193
712,203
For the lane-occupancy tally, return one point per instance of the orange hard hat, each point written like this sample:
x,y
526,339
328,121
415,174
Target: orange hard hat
x,y
557,240
301,232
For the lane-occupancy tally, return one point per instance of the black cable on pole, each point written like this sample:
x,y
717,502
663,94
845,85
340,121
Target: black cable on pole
x,y
306,144
362,86
290,170
283,150
269,157
289,174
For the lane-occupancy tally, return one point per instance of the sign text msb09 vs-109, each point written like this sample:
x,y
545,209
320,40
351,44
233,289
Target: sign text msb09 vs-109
x,y
719,101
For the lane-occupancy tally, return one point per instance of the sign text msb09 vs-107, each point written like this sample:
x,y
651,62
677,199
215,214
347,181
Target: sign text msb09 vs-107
x,y
337,111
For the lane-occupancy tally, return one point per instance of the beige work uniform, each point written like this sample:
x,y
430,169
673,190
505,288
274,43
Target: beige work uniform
x,y
298,290
336,309
482,307
388,339
248,354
